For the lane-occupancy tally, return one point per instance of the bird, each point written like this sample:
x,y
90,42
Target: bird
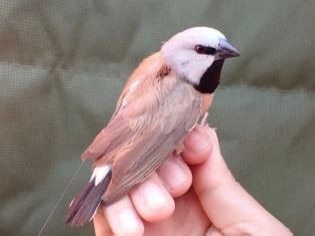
x,y
166,96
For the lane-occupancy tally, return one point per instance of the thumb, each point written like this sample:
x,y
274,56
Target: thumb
x,y
228,206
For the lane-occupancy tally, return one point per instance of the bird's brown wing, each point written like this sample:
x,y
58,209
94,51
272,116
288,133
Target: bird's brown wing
x,y
153,115
159,126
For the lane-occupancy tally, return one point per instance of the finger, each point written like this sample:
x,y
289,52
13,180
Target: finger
x,y
123,219
175,175
197,146
224,201
152,201
101,226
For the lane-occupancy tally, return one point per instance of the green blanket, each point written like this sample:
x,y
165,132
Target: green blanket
x,y
63,64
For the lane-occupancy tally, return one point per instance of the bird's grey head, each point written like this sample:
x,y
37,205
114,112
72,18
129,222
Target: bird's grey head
x,y
197,55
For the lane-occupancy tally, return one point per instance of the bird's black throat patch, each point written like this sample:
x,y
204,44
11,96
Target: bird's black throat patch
x,y
211,78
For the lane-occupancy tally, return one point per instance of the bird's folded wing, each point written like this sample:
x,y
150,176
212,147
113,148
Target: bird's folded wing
x,y
164,130
151,122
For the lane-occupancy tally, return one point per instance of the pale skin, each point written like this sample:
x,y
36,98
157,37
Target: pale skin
x,y
208,199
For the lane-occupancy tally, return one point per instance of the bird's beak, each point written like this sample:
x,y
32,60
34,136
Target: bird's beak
x,y
226,50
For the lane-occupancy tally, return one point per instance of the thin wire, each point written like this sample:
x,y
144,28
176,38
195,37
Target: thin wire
x,y
60,199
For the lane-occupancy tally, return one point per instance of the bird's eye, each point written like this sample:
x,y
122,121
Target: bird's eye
x,y
205,50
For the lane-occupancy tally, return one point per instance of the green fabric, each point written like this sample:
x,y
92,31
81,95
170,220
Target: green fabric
x,y
63,64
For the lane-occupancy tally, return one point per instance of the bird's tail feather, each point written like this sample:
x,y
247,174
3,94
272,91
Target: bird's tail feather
x,y
86,202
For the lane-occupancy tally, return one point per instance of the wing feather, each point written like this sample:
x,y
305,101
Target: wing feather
x,y
172,122
151,120
111,137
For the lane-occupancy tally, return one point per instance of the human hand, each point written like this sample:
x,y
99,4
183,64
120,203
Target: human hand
x,y
209,201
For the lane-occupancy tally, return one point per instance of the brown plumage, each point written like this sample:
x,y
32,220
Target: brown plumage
x,y
139,138
157,108
150,130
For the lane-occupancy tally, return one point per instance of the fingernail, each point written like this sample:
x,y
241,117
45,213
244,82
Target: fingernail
x,y
128,221
154,197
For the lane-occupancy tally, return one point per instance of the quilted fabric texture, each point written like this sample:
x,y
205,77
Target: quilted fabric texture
x,y
63,64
